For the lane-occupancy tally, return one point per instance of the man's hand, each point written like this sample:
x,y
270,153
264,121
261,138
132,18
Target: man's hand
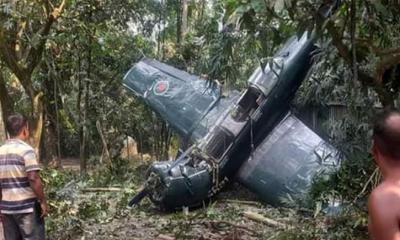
x,y
44,209
37,187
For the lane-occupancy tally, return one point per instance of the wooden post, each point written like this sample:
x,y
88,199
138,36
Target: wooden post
x,y
104,141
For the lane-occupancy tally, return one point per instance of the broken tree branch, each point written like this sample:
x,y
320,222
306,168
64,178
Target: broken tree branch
x,y
102,189
165,237
380,52
9,57
259,218
35,52
345,53
388,51
385,64
104,142
384,96
353,26
215,223
253,203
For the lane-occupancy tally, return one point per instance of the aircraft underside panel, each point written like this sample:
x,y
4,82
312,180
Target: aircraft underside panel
x,y
282,168
182,99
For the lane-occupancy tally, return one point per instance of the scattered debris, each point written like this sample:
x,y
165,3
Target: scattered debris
x,y
260,218
130,148
87,208
252,203
102,189
165,237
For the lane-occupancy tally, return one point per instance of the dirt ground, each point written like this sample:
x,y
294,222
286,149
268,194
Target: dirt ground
x,y
70,164
221,220
104,216
195,225
229,217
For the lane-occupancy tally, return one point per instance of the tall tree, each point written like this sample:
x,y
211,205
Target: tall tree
x,y
24,29
363,35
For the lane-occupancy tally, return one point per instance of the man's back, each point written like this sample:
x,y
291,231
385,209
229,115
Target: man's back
x,y
384,211
384,201
16,159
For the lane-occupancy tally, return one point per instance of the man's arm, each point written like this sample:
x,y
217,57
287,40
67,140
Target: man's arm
x,y
32,170
383,215
37,187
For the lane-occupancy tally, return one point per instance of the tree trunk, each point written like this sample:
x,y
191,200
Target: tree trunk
x,y
50,151
36,125
178,21
6,105
81,124
184,25
181,20
84,130
48,147
22,65
36,98
203,5
57,124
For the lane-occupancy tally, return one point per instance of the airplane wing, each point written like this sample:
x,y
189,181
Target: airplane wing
x,y
186,102
283,167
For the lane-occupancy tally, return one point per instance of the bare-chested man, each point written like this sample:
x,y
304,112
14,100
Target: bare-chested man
x,y
384,201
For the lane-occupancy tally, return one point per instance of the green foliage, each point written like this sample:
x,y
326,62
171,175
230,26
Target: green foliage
x,y
70,209
60,213
92,208
347,227
118,172
54,179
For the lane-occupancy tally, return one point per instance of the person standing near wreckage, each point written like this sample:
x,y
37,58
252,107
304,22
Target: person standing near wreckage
x,y
23,204
384,201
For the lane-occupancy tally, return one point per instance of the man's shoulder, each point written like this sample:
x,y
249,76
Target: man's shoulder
x,y
3,149
27,147
385,193
16,147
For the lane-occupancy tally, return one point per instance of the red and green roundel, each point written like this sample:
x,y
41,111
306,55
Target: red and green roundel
x,y
161,87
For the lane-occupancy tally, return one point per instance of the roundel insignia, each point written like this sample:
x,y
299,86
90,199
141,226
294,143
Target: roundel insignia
x,y
161,87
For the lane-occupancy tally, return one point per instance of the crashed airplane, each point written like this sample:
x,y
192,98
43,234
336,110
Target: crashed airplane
x,y
249,137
